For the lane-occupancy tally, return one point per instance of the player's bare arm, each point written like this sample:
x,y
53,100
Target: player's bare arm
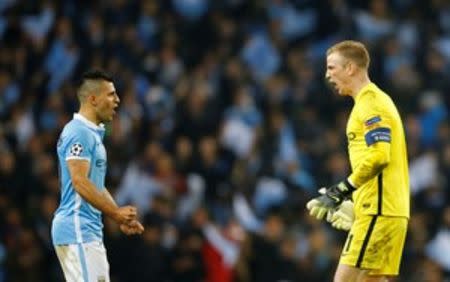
x,y
130,227
79,170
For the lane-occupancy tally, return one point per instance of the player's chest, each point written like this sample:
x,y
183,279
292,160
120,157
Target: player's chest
x,y
354,132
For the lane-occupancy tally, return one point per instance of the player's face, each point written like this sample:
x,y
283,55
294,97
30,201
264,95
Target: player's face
x,y
107,102
337,74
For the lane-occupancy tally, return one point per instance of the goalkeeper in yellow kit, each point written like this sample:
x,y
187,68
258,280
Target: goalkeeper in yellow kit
x,y
379,182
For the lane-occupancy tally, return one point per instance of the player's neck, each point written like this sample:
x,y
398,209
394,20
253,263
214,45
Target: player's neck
x,y
89,115
359,84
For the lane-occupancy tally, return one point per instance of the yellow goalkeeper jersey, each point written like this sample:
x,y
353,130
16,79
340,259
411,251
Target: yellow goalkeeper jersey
x,y
377,151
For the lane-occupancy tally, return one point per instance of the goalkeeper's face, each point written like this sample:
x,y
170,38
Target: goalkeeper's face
x,y
338,74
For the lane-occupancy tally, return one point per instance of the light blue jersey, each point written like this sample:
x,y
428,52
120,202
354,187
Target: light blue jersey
x,y
75,220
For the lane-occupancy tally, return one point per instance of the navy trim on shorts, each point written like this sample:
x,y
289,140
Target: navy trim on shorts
x,y
380,194
366,241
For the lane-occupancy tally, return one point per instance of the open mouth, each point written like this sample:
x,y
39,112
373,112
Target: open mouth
x,y
332,85
114,109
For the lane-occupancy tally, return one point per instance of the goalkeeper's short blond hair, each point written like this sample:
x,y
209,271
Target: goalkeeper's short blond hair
x,y
354,51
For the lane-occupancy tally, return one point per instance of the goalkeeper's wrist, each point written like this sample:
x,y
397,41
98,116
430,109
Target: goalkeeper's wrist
x,y
341,191
351,187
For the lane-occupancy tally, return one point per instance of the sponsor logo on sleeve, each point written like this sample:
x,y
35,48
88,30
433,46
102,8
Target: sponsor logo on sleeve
x,y
372,121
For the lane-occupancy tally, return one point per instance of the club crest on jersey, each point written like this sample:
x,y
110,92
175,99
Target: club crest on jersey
x,y
351,136
372,121
76,150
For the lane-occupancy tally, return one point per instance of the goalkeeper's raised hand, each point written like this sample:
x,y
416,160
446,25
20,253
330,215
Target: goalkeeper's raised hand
x,y
333,197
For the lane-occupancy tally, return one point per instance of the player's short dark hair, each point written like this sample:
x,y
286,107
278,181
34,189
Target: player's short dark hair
x,y
96,74
89,82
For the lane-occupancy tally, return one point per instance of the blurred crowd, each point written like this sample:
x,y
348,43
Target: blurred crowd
x,y
225,130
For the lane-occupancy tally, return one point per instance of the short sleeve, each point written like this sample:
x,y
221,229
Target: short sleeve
x,y
79,144
376,122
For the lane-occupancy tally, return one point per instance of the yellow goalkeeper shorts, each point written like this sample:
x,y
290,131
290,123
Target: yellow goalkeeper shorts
x,y
375,243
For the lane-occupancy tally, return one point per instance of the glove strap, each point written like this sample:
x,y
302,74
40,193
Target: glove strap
x,y
347,187
338,193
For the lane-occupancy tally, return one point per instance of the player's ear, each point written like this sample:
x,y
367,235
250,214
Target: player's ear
x,y
351,68
92,99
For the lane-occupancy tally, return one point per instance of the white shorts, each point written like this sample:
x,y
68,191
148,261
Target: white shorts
x,y
84,262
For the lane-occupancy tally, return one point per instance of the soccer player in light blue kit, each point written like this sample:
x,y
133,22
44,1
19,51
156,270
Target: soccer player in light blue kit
x,y
77,224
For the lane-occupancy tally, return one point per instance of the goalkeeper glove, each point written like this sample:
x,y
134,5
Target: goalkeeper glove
x,y
333,197
343,217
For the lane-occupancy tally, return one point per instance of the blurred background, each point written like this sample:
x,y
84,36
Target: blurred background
x,y
224,131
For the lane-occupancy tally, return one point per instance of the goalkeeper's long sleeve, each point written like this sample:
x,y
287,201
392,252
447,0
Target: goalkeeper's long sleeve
x,y
378,156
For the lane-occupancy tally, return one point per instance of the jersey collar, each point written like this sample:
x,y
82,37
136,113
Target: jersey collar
x,y
363,90
89,123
